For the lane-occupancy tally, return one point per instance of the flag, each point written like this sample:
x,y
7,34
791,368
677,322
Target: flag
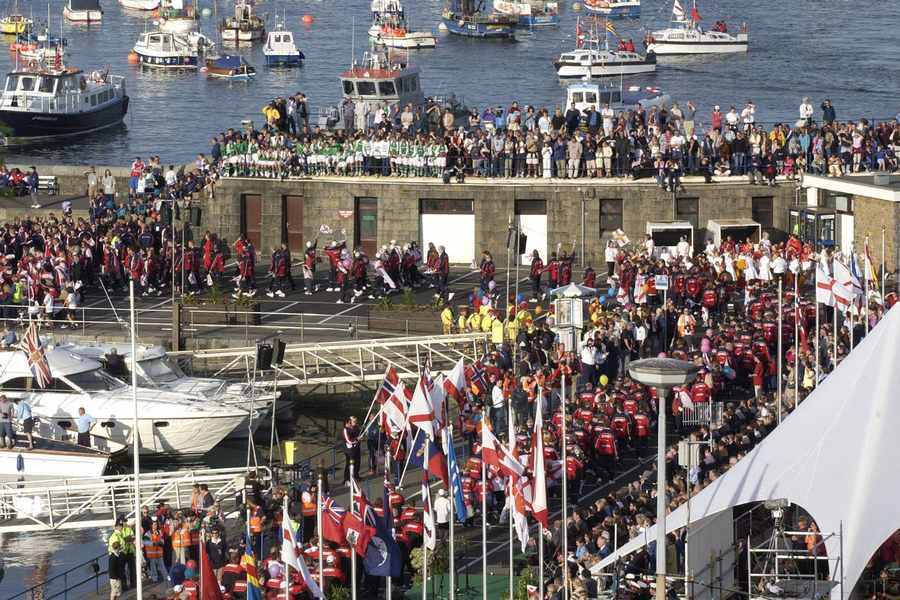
x,y
455,384
421,411
248,562
640,289
518,507
824,285
538,472
393,411
209,585
388,384
678,11
37,359
333,521
455,483
622,295
477,381
695,15
358,523
429,535
618,235
292,555
383,557
871,274
611,28
497,455
843,286
427,455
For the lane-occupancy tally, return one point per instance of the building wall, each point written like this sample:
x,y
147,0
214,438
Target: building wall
x,y
332,203
870,214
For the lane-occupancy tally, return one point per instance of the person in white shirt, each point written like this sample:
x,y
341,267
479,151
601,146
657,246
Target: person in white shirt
x,y
588,361
171,176
732,118
608,115
806,111
779,265
683,249
748,116
442,509
649,246
498,406
609,255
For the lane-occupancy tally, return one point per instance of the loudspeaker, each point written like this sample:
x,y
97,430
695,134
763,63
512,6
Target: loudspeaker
x,y
195,216
523,241
278,353
263,357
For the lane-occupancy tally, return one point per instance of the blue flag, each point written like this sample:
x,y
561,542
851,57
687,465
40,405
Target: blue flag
x,y
455,486
383,557
437,462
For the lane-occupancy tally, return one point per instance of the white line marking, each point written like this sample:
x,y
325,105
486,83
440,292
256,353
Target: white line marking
x,y
343,312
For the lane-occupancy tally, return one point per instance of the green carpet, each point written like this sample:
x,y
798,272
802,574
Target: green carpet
x,y
497,588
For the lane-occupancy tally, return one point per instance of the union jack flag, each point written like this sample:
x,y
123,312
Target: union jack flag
x,y
37,359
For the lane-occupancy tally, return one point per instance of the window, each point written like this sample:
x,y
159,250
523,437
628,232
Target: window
x,y
447,206
688,209
610,214
366,88
11,82
94,381
386,88
27,84
531,207
577,97
762,211
838,201
47,84
93,99
348,88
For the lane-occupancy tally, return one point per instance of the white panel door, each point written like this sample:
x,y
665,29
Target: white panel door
x,y
455,232
846,233
535,227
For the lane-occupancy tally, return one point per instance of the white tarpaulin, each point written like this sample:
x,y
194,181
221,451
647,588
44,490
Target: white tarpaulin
x,y
836,456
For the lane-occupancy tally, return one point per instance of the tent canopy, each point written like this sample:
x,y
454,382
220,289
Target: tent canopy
x,y
836,456
573,290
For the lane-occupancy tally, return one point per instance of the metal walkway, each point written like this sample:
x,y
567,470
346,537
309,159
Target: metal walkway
x,y
80,504
357,361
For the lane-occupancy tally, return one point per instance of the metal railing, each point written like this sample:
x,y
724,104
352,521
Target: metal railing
x,y
703,413
78,504
72,583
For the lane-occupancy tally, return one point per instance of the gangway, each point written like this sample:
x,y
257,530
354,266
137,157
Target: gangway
x,y
357,361
90,503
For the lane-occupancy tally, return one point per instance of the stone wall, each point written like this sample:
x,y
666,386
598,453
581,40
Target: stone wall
x,y
870,214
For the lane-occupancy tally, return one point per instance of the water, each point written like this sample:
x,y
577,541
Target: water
x,y
838,49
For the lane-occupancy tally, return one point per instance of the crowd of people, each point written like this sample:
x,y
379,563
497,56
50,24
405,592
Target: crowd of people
x,y
568,142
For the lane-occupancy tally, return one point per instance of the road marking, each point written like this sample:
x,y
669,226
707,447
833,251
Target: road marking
x,y
283,308
163,303
343,312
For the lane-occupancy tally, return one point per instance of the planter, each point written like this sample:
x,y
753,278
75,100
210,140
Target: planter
x,y
402,320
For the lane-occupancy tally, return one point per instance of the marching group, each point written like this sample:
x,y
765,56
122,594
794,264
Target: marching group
x,y
665,143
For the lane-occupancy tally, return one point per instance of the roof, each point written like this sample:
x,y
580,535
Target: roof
x,y
734,222
227,61
668,225
13,364
882,186
84,5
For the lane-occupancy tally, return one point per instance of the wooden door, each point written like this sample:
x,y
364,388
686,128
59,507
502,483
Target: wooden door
x,y
292,222
251,218
366,228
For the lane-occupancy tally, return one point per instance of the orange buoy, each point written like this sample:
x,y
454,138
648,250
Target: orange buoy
x,y
133,58
307,19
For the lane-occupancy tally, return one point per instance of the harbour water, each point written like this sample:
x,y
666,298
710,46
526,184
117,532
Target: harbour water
x,y
834,49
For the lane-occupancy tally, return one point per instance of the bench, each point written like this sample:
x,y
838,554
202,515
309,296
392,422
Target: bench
x,y
48,184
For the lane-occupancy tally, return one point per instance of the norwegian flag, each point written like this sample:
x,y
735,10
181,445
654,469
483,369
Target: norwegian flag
x,y
455,384
476,379
393,411
37,358
388,385
497,455
333,521
359,521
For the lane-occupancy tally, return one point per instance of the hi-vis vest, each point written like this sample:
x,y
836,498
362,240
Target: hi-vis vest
x,y
153,546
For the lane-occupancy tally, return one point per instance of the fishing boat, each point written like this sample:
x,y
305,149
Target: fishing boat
x,y
618,96
139,4
592,58
39,51
533,13
161,50
83,11
15,24
244,26
40,101
614,8
229,66
280,49
461,17
390,28
176,17
686,36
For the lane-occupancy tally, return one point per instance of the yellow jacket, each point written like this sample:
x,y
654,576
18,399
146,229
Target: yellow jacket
x,y
447,317
474,322
497,331
461,323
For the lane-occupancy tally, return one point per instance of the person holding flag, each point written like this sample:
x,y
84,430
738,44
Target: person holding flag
x,y
291,554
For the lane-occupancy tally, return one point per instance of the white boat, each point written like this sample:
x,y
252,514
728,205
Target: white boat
x,y
41,52
591,60
168,422
50,459
139,4
618,96
280,49
389,27
614,8
175,17
244,26
687,37
162,50
83,11
531,13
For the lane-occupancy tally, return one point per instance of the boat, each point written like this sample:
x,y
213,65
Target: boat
x,y
280,49
389,27
614,9
162,50
685,36
591,59
175,17
244,26
38,51
41,101
461,17
139,4
51,459
229,66
15,24
618,96
168,422
83,11
533,13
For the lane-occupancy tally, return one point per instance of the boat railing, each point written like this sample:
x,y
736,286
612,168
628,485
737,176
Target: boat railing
x,y
71,101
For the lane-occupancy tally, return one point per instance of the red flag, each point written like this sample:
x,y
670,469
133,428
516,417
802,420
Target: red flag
x,y
455,384
209,585
388,384
695,15
333,521
359,525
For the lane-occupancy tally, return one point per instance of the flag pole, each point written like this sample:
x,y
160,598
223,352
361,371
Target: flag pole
x,y
484,570
319,531
780,348
449,440
797,336
352,549
138,534
866,266
287,566
883,269
510,432
540,409
565,486
816,384
425,507
387,473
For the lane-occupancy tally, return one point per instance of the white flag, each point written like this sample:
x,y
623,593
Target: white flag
x,y
824,285
678,11
843,286
290,554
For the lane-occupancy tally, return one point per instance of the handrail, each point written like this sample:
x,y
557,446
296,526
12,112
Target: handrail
x,y
40,590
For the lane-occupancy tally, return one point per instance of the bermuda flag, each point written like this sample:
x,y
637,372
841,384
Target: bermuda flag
x,y
476,379
496,454
824,285
333,521
455,384
292,555
388,385
538,472
393,411
358,522
843,286
421,410
37,359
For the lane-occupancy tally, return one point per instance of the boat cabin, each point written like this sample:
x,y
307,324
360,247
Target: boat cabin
x,y
382,82
53,90
281,40
584,95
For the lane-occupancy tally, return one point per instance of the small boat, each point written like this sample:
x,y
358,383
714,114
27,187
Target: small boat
x,y
229,66
687,37
83,11
530,13
244,26
389,27
461,17
51,459
139,4
37,51
41,101
280,49
590,59
175,17
614,8
15,24
616,95
161,50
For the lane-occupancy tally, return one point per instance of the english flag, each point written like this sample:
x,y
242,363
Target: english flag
x,y
496,454
538,472
824,285
421,410
292,555
519,506
429,535
393,411
843,286
455,384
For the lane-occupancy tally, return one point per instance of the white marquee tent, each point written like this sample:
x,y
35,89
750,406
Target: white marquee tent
x,y
836,455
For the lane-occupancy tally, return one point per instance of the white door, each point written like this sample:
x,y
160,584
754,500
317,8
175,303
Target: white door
x,y
456,232
535,227
846,233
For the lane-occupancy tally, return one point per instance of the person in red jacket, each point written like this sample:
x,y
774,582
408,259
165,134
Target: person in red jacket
x,y
553,269
278,270
333,251
487,270
309,267
442,273
537,269
590,277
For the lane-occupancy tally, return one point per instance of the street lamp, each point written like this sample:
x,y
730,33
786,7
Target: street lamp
x,y
662,374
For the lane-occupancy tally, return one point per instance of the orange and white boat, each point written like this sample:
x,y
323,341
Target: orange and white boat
x,y
389,27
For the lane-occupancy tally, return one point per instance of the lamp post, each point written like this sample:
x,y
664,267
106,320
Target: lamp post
x,y
662,374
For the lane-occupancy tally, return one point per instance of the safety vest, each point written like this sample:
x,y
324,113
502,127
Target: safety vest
x,y
308,505
255,523
153,546
181,539
19,293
